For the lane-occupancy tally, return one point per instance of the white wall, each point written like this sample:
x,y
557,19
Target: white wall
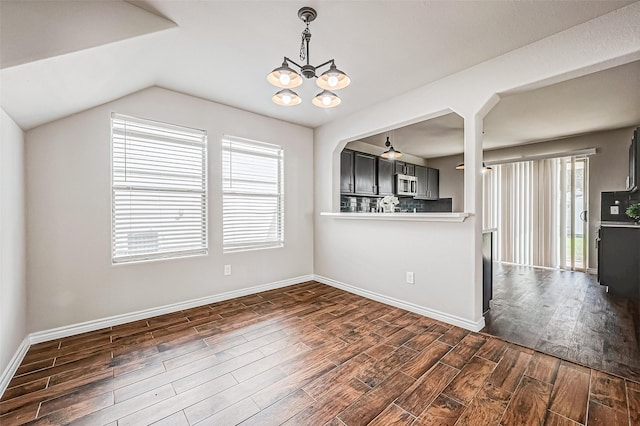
x,y
374,255
70,276
13,294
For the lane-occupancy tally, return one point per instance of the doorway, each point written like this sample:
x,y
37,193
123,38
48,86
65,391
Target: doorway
x,y
539,208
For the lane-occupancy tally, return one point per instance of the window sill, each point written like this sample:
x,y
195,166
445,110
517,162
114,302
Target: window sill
x,y
413,217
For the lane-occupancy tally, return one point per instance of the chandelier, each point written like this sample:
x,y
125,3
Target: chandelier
x,y
287,78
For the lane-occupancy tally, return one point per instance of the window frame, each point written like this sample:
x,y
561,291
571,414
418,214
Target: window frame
x,y
280,196
167,255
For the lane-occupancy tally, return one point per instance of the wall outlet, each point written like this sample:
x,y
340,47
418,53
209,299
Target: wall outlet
x,y
227,269
410,278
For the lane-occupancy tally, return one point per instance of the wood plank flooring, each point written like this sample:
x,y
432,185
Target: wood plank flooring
x,y
307,354
568,315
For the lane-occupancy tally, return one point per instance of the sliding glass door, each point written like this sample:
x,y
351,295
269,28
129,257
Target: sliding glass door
x,y
576,215
539,208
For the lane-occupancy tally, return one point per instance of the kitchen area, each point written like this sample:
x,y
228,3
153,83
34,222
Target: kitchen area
x,y
618,239
366,180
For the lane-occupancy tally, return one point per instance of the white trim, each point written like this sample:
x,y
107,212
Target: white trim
x,y
427,312
13,365
581,152
73,329
420,217
592,271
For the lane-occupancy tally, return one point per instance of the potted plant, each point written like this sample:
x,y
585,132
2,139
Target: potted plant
x,y
633,211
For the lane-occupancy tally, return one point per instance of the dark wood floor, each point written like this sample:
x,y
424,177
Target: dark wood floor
x,y
306,355
568,315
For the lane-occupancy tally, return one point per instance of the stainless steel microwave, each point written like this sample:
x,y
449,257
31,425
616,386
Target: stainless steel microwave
x,y
406,185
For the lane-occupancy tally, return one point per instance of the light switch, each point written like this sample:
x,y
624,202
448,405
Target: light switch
x,y
614,209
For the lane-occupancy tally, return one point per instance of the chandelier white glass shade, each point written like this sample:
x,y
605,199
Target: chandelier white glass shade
x,y
326,99
286,97
390,153
286,77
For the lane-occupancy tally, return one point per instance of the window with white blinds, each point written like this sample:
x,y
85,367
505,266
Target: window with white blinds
x,y
159,190
252,187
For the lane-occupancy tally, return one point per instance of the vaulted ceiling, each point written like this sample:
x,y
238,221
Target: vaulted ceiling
x,y
60,57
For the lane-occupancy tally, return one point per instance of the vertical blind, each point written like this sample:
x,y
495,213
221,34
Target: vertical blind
x,y
527,202
252,187
159,190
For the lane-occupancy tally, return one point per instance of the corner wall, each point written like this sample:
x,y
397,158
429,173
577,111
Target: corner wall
x,y
70,276
13,293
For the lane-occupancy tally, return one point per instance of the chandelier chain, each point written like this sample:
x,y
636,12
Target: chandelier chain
x,y
306,36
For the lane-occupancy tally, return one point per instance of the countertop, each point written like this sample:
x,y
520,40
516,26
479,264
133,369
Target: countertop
x,y
620,224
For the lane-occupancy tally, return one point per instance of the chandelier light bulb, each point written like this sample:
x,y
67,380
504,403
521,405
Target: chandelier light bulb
x,y
284,79
332,81
326,100
286,99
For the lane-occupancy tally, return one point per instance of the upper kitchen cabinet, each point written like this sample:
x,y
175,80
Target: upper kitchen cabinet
x,y
428,183
358,173
365,174
403,168
346,172
385,176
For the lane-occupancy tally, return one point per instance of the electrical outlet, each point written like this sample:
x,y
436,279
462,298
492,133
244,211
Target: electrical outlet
x,y
227,269
410,278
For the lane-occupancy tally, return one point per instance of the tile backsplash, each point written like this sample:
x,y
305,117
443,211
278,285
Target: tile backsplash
x,y
367,204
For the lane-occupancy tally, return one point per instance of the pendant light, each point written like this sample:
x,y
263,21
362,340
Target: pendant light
x,y
286,77
390,153
485,168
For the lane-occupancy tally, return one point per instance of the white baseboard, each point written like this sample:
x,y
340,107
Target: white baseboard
x,y
427,312
14,363
73,329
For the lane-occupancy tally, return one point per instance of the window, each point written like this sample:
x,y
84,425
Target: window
x,y
159,190
252,186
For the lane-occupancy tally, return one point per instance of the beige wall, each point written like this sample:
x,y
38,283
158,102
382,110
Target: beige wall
x,y
13,294
608,169
70,276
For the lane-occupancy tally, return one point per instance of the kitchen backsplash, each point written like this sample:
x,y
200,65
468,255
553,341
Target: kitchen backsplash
x,y
366,204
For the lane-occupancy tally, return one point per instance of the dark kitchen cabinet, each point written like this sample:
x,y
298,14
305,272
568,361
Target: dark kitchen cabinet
x,y
433,183
403,168
346,172
365,174
385,176
634,162
618,254
428,183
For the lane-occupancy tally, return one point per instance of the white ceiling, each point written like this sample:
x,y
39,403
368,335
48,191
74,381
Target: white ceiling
x,y
223,50
605,100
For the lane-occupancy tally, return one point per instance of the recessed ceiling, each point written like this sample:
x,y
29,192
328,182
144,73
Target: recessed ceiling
x,y
596,102
223,50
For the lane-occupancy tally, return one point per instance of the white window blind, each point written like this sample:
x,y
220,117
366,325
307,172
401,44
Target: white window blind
x,y
159,190
252,186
